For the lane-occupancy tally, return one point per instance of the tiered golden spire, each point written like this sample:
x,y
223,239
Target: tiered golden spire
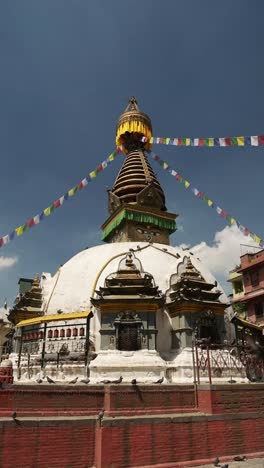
x,y
135,175
136,202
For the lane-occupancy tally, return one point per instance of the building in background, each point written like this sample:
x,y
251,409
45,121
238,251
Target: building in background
x,y
248,287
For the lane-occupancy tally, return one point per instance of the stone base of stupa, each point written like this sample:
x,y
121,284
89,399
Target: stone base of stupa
x,y
180,368
145,366
30,373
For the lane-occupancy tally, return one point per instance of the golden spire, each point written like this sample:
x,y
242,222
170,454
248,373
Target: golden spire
x,y
135,175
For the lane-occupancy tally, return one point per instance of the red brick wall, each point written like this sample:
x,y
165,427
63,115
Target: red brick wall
x,y
146,399
48,400
168,441
228,420
226,399
45,444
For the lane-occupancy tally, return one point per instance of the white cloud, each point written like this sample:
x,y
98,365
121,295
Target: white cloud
x,y
224,254
7,262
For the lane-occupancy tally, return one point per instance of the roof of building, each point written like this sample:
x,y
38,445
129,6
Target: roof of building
x,y
253,260
53,318
246,323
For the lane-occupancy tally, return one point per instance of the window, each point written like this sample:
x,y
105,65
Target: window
x,y
209,331
238,287
254,278
258,309
206,327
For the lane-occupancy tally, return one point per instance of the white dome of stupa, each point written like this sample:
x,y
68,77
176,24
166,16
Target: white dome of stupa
x,y
73,285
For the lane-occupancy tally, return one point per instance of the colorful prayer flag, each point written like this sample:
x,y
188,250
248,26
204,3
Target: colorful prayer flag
x,y
19,231
241,141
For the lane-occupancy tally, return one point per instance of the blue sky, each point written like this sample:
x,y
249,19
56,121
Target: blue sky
x,y
68,68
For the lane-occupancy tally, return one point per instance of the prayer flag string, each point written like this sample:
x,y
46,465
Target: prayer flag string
x,y
208,142
220,211
57,203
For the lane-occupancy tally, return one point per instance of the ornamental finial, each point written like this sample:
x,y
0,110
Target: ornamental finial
x,y
132,105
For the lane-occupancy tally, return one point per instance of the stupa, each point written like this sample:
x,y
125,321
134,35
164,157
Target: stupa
x,y
130,307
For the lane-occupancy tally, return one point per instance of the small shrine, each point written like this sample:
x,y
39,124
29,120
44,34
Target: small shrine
x,y
28,302
194,307
128,301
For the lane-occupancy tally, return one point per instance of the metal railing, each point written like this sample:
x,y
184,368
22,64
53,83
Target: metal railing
x,y
212,362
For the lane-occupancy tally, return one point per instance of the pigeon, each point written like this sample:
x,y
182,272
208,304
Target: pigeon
x,y
226,465
134,381
231,380
216,461
39,381
100,416
85,381
118,381
73,381
240,458
50,380
159,381
14,415
105,382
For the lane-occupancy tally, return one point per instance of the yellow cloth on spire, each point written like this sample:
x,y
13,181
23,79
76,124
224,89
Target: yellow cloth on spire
x,y
133,126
